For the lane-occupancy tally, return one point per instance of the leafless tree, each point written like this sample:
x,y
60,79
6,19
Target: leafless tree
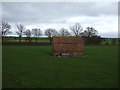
x,y
89,32
5,29
0,29
76,29
36,33
20,31
64,32
50,33
0,33
28,34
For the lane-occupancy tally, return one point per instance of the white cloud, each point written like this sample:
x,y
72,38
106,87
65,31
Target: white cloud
x,y
101,16
107,26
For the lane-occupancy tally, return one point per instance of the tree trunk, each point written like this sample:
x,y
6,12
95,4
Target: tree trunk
x,y
20,39
2,38
50,40
36,40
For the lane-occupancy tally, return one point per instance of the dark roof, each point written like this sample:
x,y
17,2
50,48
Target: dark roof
x,y
68,40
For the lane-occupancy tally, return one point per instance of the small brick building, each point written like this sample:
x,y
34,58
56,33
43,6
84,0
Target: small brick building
x,y
68,46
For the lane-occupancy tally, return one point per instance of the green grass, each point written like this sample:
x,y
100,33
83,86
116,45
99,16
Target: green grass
x,y
34,67
42,40
12,39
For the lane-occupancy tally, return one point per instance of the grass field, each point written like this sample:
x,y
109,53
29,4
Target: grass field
x,y
12,39
40,40
105,41
34,67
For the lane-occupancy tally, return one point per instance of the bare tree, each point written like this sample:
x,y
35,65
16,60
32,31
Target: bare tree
x,y
28,34
36,33
90,36
77,28
50,33
5,29
0,26
20,31
64,32
0,33
89,32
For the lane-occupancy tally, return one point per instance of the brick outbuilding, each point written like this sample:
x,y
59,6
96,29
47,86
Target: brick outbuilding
x,y
68,46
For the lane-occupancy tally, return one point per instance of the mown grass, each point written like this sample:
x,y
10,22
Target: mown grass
x,y
35,67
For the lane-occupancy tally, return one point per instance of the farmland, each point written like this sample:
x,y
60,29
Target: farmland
x,y
35,67
103,41
59,44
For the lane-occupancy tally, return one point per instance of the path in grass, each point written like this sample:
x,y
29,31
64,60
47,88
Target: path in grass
x,y
34,66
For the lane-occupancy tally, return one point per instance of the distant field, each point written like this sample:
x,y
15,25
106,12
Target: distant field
x,y
40,40
105,41
16,39
34,67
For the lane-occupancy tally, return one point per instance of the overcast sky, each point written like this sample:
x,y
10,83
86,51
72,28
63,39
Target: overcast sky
x,y
103,16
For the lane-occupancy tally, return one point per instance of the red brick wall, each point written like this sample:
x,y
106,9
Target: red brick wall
x,y
71,45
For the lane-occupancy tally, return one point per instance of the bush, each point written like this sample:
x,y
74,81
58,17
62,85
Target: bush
x,y
93,40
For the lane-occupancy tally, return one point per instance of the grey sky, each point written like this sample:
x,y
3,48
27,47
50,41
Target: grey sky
x,y
48,12
62,14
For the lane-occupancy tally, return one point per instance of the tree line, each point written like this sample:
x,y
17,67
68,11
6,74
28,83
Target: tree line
x,y
77,30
